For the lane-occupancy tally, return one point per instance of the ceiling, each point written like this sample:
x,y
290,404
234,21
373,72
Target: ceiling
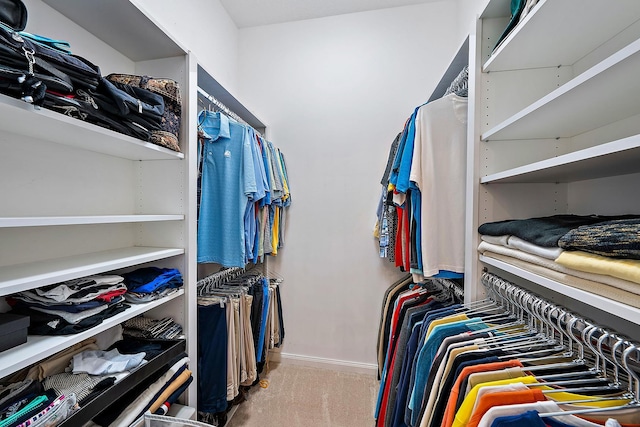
x,y
252,13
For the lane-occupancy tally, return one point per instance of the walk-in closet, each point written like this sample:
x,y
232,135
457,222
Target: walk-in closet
x,y
343,213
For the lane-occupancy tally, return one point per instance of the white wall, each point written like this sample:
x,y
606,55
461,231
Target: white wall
x,y
335,92
468,11
44,20
205,28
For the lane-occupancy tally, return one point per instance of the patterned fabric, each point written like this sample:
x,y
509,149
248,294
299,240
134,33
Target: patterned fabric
x,y
144,327
170,90
545,231
13,392
67,383
392,221
617,239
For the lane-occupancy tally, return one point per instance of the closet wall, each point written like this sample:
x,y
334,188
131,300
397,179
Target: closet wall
x,y
335,92
206,29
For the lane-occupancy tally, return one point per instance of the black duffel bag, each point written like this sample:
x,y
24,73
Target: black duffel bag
x,y
125,109
128,103
83,106
14,14
20,53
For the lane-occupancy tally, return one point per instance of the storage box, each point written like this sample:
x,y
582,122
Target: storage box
x,y
13,330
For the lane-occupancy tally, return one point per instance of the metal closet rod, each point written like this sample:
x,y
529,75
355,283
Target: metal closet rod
x,y
609,347
223,107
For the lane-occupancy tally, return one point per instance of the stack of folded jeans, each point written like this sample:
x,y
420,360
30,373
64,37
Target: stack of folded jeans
x,y
151,283
71,307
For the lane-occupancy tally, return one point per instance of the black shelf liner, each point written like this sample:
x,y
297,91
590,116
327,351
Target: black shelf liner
x,y
101,402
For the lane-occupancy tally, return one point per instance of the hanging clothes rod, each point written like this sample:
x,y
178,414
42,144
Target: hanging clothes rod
x,y
223,107
611,349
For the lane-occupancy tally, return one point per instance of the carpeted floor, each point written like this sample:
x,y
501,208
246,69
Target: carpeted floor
x,y
309,397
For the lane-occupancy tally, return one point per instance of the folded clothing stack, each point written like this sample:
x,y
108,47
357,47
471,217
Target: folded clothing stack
x,y
50,391
145,327
599,249
151,283
71,307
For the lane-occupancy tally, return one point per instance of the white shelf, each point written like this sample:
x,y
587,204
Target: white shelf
x,y
137,35
43,221
39,347
606,93
601,303
573,22
20,277
611,159
18,117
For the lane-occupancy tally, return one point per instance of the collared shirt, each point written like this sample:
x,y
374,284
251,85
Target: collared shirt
x,y
228,182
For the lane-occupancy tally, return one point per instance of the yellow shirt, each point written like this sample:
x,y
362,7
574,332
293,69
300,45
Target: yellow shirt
x,y
444,321
464,413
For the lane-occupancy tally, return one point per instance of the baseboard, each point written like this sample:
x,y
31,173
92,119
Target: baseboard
x,y
321,362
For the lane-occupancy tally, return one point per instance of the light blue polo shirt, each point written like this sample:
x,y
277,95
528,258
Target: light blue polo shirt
x,y
228,180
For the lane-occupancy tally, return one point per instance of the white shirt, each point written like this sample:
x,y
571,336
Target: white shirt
x,y
439,169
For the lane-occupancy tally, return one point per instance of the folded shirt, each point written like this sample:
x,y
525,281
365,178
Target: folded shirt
x,y
18,299
522,245
48,324
152,279
90,293
141,298
544,231
98,362
63,291
626,269
491,250
66,383
617,239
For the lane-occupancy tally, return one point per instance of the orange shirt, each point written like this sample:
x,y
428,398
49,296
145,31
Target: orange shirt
x,y
450,411
490,400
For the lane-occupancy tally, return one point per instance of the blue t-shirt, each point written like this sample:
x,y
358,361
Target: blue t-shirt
x,y
267,169
403,182
228,181
526,419
427,353
395,167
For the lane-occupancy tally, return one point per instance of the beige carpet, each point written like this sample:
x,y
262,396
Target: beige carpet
x,y
309,397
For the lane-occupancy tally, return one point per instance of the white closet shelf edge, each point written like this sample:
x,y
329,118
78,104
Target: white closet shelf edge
x,y
605,93
550,21
43,221
39,347
20,277
615,158
18,118
624,311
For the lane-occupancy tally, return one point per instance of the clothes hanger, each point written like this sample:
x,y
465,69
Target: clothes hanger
x,y
634,384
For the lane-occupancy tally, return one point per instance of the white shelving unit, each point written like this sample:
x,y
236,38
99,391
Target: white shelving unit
x,y
601,95
19,118
45,221
78,199
620,157
39,347
553,129
20,277
606,304
569,21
